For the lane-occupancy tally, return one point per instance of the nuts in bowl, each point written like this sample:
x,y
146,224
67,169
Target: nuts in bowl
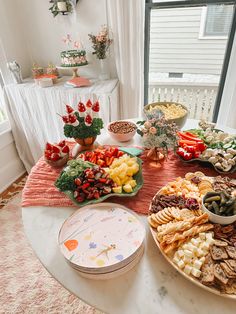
x,y
121,130
220,207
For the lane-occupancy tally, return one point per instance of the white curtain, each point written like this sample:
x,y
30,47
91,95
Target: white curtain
x,y
227,113
126,20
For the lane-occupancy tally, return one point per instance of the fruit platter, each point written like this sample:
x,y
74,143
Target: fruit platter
x,y
202,251
97,175
210,145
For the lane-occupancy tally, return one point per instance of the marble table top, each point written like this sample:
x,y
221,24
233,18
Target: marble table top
x,y
153,286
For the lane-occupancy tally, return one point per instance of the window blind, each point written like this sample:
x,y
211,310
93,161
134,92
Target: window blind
x,y
218,20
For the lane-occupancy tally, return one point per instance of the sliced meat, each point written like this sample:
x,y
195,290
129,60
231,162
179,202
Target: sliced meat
x,y
218,253
231,251
220,274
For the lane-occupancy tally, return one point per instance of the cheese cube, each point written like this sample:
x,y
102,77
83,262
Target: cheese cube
x,y
176,260
190,247
187,269
196,272
205,246
197,264
185,246
195,242
180,253
202,259
181,264
208,235
202,235
188,253
200,253
186,259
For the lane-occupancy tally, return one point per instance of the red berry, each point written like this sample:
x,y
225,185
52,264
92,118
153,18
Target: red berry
x,y
88,120
56,149
96,107
78,181
72,118
48,146
81,107
65,119
62,143
47,154
65,149
89,104
69,109
55,157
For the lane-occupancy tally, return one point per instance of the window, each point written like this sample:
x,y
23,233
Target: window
x,y
4,123
216,21
179,65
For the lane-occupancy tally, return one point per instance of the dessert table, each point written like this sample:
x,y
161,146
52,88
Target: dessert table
x,y
34,111
153,286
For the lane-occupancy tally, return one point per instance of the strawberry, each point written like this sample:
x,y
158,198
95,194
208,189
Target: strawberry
x,y
62,143
72,118
81,107
47,154
55,149
69,109
78,181
48,146
55,157
65,119
65,149
96,107
88,120
89,104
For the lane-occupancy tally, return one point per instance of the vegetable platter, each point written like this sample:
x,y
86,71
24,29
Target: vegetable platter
x,y
208,145
97,175
202,251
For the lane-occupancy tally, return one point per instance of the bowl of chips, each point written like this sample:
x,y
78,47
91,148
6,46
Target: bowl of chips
x,y
172,111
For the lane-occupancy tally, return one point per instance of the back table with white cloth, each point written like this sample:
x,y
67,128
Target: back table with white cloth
x,y
34,112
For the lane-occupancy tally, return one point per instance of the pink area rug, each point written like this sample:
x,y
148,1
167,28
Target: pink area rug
x,y
25,286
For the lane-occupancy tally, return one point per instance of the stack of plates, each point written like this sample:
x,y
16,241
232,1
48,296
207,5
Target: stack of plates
x,y
102,241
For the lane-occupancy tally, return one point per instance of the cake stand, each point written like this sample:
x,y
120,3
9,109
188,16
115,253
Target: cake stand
x,y
74,69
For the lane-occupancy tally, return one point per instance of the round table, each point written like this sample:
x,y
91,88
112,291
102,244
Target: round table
x,y
153,286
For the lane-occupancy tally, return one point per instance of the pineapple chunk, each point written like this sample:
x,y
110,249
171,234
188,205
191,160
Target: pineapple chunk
x,y
117,189
127,188
133,183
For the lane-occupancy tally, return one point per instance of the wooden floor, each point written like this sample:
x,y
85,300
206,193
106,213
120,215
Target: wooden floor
x,y
12,190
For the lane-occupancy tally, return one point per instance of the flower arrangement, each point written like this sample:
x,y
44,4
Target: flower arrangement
x,y
158,134
101,42
83,123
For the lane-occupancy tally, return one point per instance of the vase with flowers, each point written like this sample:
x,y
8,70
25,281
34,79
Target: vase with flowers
x,y
83,124
158,136
100,44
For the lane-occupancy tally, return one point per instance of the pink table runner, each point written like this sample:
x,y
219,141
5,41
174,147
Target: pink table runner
x,y
40,190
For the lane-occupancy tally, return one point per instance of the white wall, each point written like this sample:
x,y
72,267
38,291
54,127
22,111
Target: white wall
x,y
44,32
175,45
12,36
11,166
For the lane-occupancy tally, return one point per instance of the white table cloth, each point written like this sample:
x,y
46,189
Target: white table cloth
x,y
33,112
152,287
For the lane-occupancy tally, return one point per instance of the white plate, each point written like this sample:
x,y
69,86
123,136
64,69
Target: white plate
x,y
102,237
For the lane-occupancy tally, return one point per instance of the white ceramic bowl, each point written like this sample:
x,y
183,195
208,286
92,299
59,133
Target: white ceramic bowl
x,y
223,220
122,137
